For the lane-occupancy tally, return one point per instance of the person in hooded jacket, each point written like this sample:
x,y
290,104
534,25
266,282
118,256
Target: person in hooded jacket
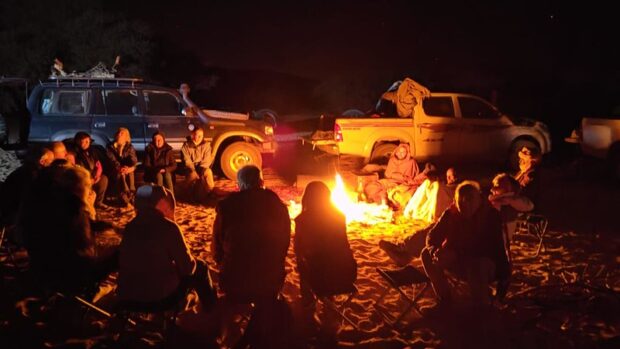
x,y
159,162
402,177
122,156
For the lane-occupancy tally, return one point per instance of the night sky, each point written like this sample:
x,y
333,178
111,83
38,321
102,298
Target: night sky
x,y
541,58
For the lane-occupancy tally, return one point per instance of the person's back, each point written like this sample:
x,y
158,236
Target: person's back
x,y
321,243
255,238
153,258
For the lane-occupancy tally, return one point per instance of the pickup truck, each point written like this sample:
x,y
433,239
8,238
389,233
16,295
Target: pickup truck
x,y
600,138
445,126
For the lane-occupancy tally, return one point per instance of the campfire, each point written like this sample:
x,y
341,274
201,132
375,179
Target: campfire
x,y
347,202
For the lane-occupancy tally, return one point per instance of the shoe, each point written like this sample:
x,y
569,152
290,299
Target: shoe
x,y
396,253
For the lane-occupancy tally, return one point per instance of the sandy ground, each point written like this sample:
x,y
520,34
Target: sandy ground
x,y
568,297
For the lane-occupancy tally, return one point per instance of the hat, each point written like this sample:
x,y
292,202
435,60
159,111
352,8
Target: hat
x,y
148,195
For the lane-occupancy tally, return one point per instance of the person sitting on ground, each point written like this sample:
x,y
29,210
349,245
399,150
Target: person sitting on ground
x,y
59,149
429,200
324,258
159,162
155,264
197,160
506,197
251,236
88,158
122,157
467,241
19,182
57,223
401,178
452,181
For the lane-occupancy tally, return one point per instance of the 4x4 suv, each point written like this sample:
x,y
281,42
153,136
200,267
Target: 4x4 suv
x,y
61,107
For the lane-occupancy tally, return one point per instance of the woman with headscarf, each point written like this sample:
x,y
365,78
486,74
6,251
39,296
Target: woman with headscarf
x,y
324,258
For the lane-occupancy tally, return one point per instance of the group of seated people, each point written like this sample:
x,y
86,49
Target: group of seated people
x,y
112,170
251,237
469,235
251,233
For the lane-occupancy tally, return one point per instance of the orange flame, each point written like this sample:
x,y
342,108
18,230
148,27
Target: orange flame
x,y
347,203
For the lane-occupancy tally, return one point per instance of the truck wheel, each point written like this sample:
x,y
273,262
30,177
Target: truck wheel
x,y
239,154
381,154
513,157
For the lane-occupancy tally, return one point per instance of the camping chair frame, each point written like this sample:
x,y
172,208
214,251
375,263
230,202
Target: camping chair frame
x,y
416,280
536,225
340,307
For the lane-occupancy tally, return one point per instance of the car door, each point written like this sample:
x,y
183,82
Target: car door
x,y
436,128
119,107
60,113
164,113
482,129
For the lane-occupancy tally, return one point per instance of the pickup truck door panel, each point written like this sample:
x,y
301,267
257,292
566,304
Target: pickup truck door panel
x,y
436,128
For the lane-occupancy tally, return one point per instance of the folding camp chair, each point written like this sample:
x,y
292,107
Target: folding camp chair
x,y
533,224
397,279
339,302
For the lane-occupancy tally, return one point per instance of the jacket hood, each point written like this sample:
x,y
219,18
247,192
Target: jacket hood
x,y
402,145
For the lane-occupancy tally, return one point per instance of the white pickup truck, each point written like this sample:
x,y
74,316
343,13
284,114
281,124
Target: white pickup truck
x,y
600,138
445,126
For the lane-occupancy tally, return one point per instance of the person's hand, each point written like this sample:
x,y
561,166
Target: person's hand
x,y
163,170
98,170
192,176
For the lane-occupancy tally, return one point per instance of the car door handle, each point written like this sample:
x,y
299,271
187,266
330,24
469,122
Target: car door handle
x,y
99,124
152,126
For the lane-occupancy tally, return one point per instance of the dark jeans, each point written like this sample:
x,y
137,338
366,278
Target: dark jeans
x,y
165,179
100,188
477,271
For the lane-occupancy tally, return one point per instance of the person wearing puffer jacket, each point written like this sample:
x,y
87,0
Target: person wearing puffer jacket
x,y
159,162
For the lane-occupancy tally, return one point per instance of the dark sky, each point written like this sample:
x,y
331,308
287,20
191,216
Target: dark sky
x,y
316,39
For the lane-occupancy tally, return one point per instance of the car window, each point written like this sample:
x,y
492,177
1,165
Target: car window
x,y
161,103
439,106
121,102
473,108
66,102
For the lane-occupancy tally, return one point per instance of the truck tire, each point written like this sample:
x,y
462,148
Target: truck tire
x,y
381,154
513,156
239,154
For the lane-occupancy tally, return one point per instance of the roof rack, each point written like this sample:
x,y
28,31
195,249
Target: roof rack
x,y
94,81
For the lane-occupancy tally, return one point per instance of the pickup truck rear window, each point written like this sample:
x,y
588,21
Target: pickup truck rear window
x,y
439,106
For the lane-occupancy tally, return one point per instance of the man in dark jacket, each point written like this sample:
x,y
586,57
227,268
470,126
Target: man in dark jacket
x,y
251,235
87,157
159,162
467,241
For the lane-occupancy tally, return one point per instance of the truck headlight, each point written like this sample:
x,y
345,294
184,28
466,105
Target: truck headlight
x,y
269,130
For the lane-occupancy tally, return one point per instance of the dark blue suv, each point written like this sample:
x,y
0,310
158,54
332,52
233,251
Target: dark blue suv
x,y
61,107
